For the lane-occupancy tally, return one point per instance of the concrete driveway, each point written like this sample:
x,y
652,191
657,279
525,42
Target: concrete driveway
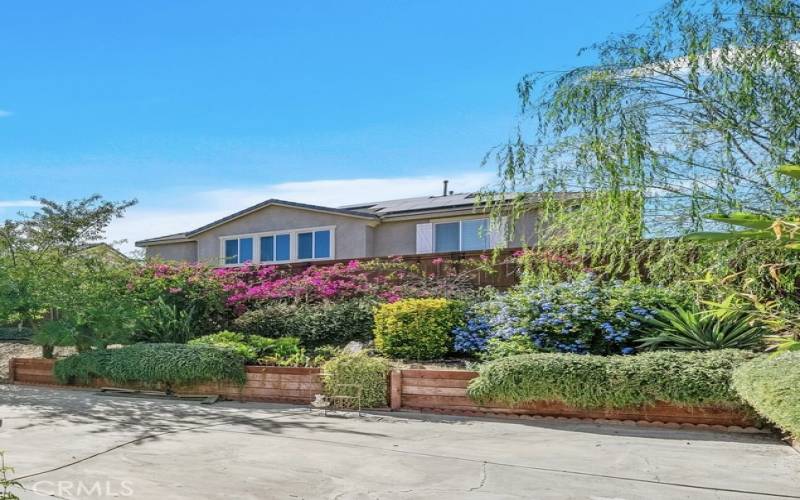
x,y
74,444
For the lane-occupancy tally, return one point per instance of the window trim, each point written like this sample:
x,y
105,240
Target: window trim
x,y
293,248
460,221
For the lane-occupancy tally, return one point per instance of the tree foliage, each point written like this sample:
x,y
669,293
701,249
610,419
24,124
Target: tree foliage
x,y
685,117
47,274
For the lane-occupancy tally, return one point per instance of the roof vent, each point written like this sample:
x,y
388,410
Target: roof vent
x,y
444,188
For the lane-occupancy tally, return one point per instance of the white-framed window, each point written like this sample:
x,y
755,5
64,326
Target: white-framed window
x,y
276,247
461,235
237,250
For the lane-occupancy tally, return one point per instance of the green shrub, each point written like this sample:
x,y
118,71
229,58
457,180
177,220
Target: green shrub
x,y
771,385
284,351
269,320
172,364
335,323
417,328
164,322
498,348
14,333
358,369
683,378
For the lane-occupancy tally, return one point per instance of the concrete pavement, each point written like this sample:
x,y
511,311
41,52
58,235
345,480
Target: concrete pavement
x,y
74,444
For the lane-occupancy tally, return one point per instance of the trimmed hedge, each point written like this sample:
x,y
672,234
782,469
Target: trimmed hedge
x,y
585,381
771,385
417,328
175,364
358,369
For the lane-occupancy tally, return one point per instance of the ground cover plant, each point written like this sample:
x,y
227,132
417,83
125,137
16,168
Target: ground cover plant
x,y
170,364
770,385
683,378
283,351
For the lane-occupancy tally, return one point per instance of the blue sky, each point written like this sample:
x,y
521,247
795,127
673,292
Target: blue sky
x,y
200,108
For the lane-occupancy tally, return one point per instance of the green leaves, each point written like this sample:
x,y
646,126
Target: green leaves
x,y
770,386
173,364
792,171
685,378
690,330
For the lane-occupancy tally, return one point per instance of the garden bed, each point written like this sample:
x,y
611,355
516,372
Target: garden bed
x,y
445,391
437,391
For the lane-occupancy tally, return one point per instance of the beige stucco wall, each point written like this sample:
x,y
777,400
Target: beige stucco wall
x,y
400,237
354,238
186,251
350,236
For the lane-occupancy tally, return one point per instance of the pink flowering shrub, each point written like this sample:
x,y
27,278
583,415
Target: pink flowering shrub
x,y
382,282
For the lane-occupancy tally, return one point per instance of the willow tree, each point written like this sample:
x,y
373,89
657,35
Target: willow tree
x,y
685,117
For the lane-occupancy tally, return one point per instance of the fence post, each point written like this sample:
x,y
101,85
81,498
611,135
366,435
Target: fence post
x,y
12,368
396,390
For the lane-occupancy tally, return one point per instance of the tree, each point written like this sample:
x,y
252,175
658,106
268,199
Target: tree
x,y
41,261
686,117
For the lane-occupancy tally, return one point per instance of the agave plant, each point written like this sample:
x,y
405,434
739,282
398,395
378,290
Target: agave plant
x,y
692,330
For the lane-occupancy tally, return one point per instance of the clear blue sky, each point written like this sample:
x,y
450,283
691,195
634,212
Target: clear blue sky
x,y
197,108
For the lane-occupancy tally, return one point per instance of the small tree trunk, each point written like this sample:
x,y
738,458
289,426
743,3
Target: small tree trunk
x,y
47,351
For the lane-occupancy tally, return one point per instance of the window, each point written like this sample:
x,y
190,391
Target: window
x,y
238,250
283,247
447,237
275,248
278,246
470,234
314,245
475,234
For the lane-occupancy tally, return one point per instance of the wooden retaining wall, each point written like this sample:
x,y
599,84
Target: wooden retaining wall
x,y
264,383
445,391
437,391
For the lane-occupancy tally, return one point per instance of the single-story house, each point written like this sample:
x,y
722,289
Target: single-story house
x,y
278,231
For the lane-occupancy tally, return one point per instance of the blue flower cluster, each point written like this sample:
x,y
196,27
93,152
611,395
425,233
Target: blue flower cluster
x,y
582,316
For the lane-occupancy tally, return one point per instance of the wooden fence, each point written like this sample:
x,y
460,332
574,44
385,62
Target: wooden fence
x,y
436,391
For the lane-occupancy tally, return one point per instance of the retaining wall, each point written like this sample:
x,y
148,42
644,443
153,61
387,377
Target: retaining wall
x,y
437,391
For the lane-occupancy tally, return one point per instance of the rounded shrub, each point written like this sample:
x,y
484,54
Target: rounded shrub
x,y
771,385
417,328
346,371
324,323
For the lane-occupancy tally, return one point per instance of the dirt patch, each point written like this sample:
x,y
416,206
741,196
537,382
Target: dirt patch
x,y
10,350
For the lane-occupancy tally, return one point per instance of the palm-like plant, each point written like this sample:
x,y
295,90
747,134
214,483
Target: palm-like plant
x,y
691,330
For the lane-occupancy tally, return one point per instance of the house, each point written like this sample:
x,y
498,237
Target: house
x,y
278,231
